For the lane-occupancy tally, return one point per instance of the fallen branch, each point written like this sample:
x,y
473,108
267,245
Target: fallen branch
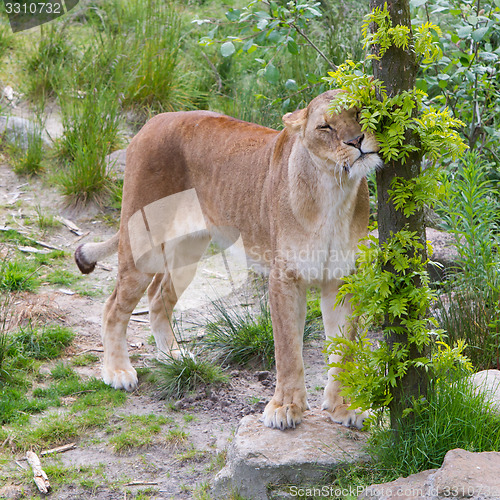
x,y
59,449
70,225
39,476
89,350
141,311
139,320
142,483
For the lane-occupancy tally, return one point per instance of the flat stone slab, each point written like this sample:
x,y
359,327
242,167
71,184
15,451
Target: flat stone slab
x,y
475,476
260,459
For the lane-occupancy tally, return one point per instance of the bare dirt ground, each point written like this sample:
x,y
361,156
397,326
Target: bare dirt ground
x,y
175,471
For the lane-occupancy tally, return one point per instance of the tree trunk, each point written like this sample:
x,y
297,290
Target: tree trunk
x,y
397,69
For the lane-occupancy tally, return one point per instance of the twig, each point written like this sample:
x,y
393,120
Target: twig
x,y
39,476
142,483
214,69
139,320
137,312
81,237
59,449
314,46
89,350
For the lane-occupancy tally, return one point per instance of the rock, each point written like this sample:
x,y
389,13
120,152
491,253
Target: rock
x,y
260,458
463,475
489,382
262,375
18,130
444,252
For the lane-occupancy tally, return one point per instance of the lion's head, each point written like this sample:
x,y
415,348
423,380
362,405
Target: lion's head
x,y
335,141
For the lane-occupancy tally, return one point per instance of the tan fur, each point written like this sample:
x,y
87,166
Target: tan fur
x,y
298,198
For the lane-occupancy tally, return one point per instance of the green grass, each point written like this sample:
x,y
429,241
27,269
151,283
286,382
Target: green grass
x,y
21,356
13,236
177,377
42,343
28,161
86,359
44,66
18,275
61,277
91,131
44,220
245,337
455,415
137,431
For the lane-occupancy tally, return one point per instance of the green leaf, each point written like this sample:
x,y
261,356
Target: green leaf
x,y
291,85
292,47
464,31
233,14
478,35
262,24
227,49
417,3
272,74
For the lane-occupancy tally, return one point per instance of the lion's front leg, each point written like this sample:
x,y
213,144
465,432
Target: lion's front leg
x,y
288,309
336,324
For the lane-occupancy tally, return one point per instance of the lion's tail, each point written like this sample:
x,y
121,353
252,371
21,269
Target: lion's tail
x,y
88,254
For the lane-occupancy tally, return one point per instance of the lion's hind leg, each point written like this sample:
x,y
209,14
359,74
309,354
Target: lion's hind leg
x,y
167,288
117,370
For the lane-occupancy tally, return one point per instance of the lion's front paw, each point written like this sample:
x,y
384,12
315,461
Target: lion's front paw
x,y
125,378
349,418
282,417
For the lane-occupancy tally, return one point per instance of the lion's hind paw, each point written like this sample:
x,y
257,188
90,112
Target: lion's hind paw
x,y
282,417
348,418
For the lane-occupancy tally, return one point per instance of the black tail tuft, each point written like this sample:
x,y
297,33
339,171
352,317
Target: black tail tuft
x,y
82,263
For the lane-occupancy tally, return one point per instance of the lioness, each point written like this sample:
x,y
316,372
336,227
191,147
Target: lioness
x,y
299,199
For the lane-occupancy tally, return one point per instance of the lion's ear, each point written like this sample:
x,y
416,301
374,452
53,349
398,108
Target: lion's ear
x,y
294,121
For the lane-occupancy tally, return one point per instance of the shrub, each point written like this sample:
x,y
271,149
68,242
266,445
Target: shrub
x,y
470,309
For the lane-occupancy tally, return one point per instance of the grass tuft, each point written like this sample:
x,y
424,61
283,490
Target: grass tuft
x,y
242,337
46,343
17,276
28,160
179,376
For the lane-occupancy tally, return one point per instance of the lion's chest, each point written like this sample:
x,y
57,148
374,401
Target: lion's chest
x,y
323,256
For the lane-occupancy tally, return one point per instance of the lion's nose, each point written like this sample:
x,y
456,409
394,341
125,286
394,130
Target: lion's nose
x,y
356,142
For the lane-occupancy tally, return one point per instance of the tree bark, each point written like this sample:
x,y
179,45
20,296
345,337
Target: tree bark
x,y
397,69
